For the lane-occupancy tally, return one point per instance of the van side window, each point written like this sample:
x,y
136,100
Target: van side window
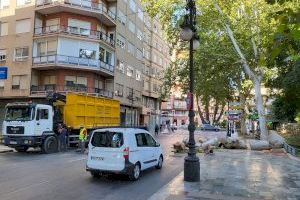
x,y
150,141
141,140
42,114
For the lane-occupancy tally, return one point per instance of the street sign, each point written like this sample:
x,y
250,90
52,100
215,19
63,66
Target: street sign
x,y
189,101
233,117
3,73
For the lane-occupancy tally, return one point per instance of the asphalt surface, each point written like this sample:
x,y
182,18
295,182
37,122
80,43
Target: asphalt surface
x,y
61,176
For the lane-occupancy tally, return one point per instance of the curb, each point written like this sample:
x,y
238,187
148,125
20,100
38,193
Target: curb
x,y
6,151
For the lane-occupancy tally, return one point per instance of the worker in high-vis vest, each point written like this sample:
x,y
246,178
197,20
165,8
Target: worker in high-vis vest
x,y
82,138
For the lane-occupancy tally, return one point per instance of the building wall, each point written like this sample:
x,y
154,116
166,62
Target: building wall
x,y
12,41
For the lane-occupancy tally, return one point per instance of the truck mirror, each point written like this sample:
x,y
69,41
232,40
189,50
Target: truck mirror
x,y
37,115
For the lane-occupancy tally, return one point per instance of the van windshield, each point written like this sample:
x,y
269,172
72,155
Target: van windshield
x,y
20,113
107,139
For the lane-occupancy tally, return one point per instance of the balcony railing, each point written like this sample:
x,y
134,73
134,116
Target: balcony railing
x,y
84,4
76,31
76,88
73,61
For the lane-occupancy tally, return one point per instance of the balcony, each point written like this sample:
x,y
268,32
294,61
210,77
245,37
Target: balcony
x,y
74,31
43,90
54,61
81,7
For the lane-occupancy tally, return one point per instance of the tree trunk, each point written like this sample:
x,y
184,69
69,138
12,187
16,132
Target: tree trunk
x,y
216,111
256,78
221,113
199,110
207,110
243,115
261,110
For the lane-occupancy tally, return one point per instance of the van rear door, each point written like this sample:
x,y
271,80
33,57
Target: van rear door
x,y
106,151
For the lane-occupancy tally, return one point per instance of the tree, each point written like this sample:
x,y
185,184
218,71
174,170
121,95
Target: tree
x,y
284,52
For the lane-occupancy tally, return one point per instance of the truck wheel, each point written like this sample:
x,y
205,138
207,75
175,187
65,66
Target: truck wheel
x,y
21,149
50,145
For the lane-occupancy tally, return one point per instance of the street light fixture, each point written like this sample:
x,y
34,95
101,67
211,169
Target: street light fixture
x,y
188,33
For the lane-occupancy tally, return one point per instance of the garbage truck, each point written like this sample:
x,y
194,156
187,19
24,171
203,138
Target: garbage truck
x,y
28,124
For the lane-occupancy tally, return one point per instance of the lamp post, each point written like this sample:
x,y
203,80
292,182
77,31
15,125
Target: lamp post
x,y
188,33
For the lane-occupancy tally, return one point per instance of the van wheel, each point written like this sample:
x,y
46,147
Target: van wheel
x,y
50,145
21,149
160,162
95,174
135,173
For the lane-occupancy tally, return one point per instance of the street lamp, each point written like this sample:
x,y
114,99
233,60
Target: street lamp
x,y
188,33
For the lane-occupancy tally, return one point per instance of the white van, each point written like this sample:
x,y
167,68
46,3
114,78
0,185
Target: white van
x,y
123,151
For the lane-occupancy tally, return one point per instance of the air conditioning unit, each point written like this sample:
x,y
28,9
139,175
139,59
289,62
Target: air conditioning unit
x,y
2,57
27,1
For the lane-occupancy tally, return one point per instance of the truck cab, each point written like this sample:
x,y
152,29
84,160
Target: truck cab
x,y
29,125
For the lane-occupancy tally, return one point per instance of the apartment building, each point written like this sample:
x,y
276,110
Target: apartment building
x,y
142,55
99,47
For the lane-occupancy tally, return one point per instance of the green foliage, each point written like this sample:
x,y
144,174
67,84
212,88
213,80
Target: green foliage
x,y
283,111
284,51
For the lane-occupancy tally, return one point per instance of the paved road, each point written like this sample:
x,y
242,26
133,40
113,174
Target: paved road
x,y
35,176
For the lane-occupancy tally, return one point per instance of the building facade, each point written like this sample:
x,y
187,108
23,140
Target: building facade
x,y
98,47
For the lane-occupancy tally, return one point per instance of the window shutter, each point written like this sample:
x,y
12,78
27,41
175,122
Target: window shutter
x,y
23,26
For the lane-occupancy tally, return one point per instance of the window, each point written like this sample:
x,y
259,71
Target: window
x,y
131,48
150,141
140,14
105,56
89,54
21,53
154,58
138,75
131,26
160,61
132,5
121,66
139,34
19,82
121,41
4,4
107,139
23,2
121,17
47,48
73,81
141,140
147,54
119,90
2,55
42,114
146,85
23,26
99,84
146,70
49,80
129,71
3,28
139,54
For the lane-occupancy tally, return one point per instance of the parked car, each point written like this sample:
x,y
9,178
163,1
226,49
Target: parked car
x,y
208,127
123,151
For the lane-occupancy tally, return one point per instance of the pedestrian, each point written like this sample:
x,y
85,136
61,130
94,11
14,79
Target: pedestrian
x,y
62,135
82,138
156,129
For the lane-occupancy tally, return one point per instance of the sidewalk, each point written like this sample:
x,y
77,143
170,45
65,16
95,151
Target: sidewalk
x,y
4,149
238,175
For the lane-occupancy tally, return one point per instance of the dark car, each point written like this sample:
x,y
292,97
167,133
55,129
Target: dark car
x,y
208,127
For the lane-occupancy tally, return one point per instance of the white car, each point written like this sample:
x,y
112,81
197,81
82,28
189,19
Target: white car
x,y
123,151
